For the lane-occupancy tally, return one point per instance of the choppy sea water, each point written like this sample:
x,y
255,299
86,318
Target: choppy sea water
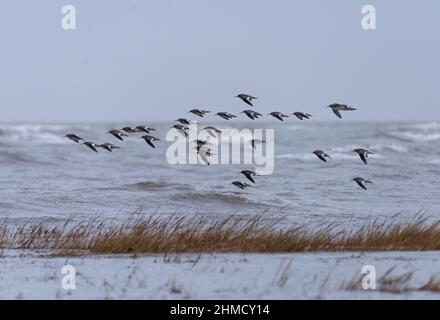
x,y
45,176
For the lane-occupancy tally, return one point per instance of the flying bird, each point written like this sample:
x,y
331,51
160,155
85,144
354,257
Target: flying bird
x,y
204,152
149,139
92,145
363,154
108,146
246,98
130,129
361,182
118,134
249,174
199,112
240,184
254,141
183,121
74,137
212,131
302,115
225,115
278,115
321,155
200,142
336,108
252,114
144,129
181,129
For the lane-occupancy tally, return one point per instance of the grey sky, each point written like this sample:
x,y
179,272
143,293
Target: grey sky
x,y
153,60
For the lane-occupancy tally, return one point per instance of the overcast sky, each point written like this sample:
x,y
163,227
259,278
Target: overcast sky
x,y
154,60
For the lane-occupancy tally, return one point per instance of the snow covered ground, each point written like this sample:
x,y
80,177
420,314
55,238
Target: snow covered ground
x,y
37,275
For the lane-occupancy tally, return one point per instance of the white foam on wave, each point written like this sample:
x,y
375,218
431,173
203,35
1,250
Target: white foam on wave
x,y
415,136
36,133
427,126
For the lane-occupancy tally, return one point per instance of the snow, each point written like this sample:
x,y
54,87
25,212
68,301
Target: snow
x,y
37,275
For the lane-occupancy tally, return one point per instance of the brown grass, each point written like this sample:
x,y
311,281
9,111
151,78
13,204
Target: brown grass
x,y
231,234
392,283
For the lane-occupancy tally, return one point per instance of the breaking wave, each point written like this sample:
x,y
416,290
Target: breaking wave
x,y
419,132
36,133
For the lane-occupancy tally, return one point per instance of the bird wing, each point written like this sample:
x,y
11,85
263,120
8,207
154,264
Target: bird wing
x,y
211,133
106,147
91,147
361,185
247,101
321,157
203,156
337,113
114,134
247,175
363,157
150,143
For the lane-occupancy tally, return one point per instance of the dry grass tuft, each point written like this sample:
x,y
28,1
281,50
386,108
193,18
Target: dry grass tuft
x,y
392,283
231,234
432,285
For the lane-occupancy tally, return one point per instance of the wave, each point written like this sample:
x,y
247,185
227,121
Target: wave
x,y
418,132
427,126
13,157
229,198
37,133
156,185
410,136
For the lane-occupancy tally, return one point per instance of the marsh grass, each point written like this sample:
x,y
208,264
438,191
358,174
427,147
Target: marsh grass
x,y
390,282
230,234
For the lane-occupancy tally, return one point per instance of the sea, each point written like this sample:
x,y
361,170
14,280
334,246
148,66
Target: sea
x,y
46,177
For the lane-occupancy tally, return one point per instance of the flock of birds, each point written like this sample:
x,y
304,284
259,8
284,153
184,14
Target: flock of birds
x,y
202,146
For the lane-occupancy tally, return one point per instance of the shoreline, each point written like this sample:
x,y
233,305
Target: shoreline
x,y
220,276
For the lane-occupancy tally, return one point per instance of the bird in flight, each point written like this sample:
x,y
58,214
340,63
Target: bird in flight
x,y
249,174
361,182
363,154
181,129
302,115
108,146
144,129
321,155
92,145
336,108
204,152
183,121
252,114
149,139
225,115
255,141
130,129
74,137
212,131
246,98
278,115
118,134
199,112
240,184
